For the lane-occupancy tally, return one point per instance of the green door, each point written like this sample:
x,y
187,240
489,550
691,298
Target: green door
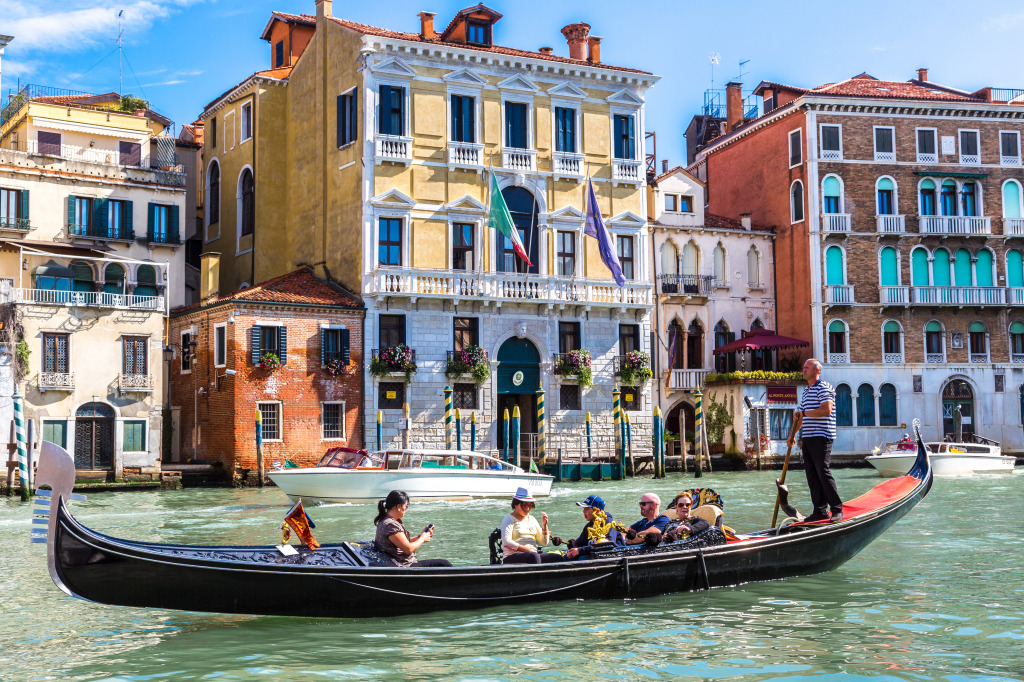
x,y
518,367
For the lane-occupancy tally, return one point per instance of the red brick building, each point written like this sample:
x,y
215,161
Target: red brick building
x,y
313,400
898,208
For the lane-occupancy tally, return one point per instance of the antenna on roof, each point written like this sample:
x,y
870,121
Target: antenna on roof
x,y
742,74
714,58
120,52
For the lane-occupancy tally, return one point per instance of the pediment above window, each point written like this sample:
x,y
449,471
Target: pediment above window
x,y
518,83
625,97
627,219
464,77
567,89
393,199
466,204
394,66
567,213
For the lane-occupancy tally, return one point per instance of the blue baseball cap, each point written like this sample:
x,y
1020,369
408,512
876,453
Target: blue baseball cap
x,y
592,501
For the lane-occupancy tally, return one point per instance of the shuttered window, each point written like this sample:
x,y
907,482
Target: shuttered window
x,y
391,116
463,118
135,361
346,112
844,405
865,405
56,432
134,436
334,345
887,405
565,129
625,136
269,339
515,125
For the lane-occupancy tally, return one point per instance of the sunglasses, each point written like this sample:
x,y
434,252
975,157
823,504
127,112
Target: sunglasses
x,y
684,504
644,504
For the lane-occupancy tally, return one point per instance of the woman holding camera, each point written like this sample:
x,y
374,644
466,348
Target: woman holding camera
x,y
394,540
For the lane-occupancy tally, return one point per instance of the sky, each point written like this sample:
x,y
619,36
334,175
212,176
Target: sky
x,y
181,54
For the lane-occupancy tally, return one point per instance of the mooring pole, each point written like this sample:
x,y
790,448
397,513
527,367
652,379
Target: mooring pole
x,y
541,451
380,429
515,435
698,440
447,417
406,426
458,428
472,431
590,454
620,445
659,442
504,437
19,424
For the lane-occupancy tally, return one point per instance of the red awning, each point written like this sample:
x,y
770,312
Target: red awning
x,y
760,339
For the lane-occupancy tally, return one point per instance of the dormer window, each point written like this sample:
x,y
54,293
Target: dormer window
x,y
478,33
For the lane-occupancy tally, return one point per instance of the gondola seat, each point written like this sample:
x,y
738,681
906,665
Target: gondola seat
x,y
710,513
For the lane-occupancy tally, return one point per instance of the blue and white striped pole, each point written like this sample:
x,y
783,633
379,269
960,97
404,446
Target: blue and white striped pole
x,y
19,426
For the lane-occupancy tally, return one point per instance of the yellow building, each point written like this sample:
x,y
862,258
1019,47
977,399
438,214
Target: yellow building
x,y
368,154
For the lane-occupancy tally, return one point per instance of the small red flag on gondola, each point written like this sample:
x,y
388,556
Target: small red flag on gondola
x,y
297,520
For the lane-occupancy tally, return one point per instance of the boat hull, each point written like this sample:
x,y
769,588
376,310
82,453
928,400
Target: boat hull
x,y
954,464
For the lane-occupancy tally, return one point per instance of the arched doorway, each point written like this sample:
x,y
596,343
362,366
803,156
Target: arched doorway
x,y
518,380
957,394
682,410
523,208
94,436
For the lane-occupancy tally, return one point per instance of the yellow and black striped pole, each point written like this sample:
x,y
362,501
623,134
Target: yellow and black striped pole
x,y
698,439
447,417
380,429
541,451
458,428
620,446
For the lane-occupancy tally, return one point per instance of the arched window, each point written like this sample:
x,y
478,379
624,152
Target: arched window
x,y
246,204
886,197
889,265
969,199
797,201
1014,269
887,405
948,198
523,209
1011,200
113,279
962,268
835,270
978,341
934,346
837,345
725,362
865,405
213,205
83,276
690,265
983,268
892,343
927,198
831,195
675,344
145,281
919,268
721,276
844,405
695,346
753,268
940,268
1017,342
669,269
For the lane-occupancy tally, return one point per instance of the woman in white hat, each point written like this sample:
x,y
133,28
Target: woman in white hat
x,y
521,536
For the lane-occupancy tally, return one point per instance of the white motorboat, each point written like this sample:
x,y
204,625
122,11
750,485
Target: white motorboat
x,y
948,459
346,475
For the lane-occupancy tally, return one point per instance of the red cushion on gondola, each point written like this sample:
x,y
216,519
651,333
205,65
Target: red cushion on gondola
x,y
881,495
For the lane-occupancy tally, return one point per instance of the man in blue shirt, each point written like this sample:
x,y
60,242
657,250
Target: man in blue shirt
x,y
816,416
652,521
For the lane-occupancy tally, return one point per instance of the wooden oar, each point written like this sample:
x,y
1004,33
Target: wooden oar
x,y
785,467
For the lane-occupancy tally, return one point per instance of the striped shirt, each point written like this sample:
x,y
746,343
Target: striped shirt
x,y
813,398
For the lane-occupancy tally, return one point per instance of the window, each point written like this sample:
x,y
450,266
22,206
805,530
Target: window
x,y
695,346
269,339
391,115
927,149
983,268
83,277
629,338
753,268
625,248
1017,342
130,153
565,257
270,420
213,206
565,129
835,268
630,397
677,346
941,268
569,397
797,202
624,136
724,362
831,143
865,405
568,336
1011,202
389,241
887,405
56,355
885,145
463,118
14,209
837,340
334,345
478,33
969,199
831,191
279,54
392,330
464,397
246,121
686,203
392,395
795,150
779,424
515,125
1014,268
332,421
134,436
247,203
134,360
671,202
49,143
721,276
969,153
212,137
892,342
886,197
163,224
933,346
844,405
1009,148
977,338
347,118
220,345
113,279
462,246
466,332
186,352
119,219
948,198
927,198
79,215
56,432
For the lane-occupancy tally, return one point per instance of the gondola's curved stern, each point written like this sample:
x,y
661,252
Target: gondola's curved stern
x,y
56,470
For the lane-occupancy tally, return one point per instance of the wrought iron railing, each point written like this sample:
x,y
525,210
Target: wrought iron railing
x,y
686,285
20,224
135,382
29,92
100,232
56,380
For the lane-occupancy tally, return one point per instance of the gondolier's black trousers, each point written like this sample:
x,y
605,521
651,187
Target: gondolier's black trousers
x,y
817,460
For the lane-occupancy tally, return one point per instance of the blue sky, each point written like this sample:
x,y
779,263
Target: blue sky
x,y
183,53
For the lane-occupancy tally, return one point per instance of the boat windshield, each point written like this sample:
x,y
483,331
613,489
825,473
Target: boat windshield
x,y
348,458
398,459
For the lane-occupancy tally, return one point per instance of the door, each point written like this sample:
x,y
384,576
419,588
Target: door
x,y
957,396
94,443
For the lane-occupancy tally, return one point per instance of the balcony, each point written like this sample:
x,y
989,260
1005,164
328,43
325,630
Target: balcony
x,y
85,165
499,287
959,296
98,232
892,358
839,294
838,358
88,299
568,164
465,155
890,224
979,358
626,171
1009,160
935,358
894,295
1013,227
835,223
15,224
956,225
161,238
1017,358
393,148
1014,295
522,160
927,157
135,383
687,379
970,159
56,381
686,285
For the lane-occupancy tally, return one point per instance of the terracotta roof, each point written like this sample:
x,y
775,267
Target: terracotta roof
x,y
78,99
277,74
306,19
300,287
864,85
712,220
463,13
673,171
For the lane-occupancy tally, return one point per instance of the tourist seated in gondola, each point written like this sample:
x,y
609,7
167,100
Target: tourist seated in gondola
x,y
685,525
581,547
652,522
394,540
522,538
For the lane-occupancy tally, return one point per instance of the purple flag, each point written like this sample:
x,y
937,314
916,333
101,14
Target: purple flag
x,y
594,227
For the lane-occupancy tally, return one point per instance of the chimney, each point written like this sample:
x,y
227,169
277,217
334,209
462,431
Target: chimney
x,y
324,8
733,105
427,26
576,34
922,75
664,165
546,50
745,220
594,50
209,275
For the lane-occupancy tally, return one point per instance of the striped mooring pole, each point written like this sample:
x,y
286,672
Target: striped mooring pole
x,y
628,440
620,444
698,440
380,429
447,417
458,428
472,431
19,426
515,435
659,444
504,437
541,451
589,454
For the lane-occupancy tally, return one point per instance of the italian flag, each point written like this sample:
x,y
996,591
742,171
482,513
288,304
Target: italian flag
x,y
501,220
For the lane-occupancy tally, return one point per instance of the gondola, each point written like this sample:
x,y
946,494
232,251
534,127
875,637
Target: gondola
x,y
338,580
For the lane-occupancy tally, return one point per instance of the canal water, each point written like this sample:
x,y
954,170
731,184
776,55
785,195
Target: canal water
x,y
940,596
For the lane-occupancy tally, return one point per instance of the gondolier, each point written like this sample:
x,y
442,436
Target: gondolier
x,y
816,415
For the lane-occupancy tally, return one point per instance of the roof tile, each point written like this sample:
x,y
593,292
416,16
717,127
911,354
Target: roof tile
x,y
300,287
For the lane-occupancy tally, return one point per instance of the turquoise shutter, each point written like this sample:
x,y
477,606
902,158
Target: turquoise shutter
x,y
71,210
99,216
151,221
323,347
23,207
344,346
255,335
128,215
282,344
172,229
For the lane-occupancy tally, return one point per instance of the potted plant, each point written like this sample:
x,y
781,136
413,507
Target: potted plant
x,y
576,363
471,360
270,361
335,367
393,359
636,368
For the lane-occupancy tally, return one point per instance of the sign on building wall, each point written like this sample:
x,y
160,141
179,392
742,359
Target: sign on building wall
x,y
782,395
948,144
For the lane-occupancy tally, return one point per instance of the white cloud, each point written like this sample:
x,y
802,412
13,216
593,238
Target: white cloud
x,y
1005,22
157,85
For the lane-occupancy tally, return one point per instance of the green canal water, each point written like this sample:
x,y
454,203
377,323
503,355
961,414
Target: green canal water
x,y
940,596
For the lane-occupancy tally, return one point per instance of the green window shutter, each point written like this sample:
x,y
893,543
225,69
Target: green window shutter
x,y
1011,201
933,327
983,269
940,268
976,327
255,335
323,347
128,215
55,432
836,327
282,344
151,221
962,268
1014,269
99,216
919,268
344,346
1017,328
833,266
172,229
23,206
885,184
134,436
830,187
891,326
71,210
890,267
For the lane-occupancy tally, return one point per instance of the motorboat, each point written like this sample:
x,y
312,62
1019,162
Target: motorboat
x,y
343,580
348,475
980,456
